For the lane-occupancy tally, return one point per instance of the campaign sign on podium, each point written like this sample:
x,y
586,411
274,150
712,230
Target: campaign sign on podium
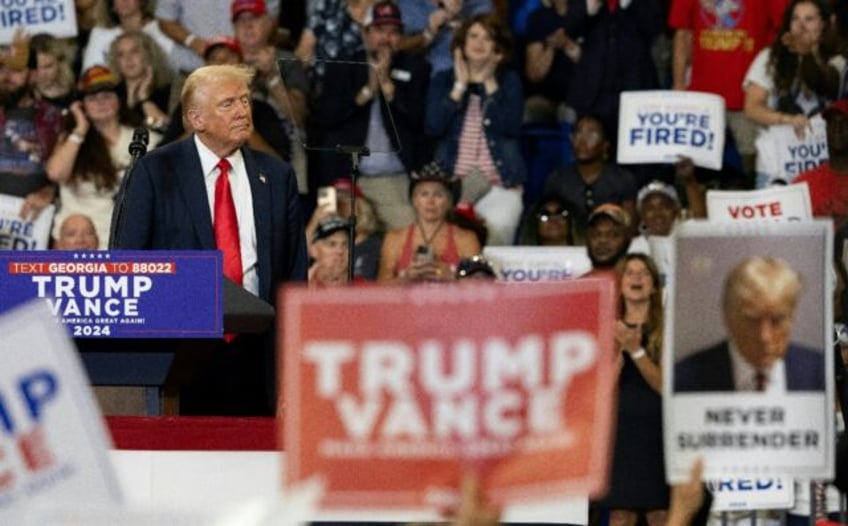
x,y
392,394
120,294
53,444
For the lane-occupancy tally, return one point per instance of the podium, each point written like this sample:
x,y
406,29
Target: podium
x,y
139,318
162,366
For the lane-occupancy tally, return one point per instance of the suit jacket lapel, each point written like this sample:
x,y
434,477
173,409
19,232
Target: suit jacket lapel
x,y
261,193
192,183
724,369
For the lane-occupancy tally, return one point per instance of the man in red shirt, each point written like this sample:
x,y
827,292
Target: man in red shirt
x,y
714,43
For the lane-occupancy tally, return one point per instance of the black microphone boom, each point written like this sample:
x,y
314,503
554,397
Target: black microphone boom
x,y
138,147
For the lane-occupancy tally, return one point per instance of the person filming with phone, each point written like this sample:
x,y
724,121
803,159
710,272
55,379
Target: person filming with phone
x,y
431,247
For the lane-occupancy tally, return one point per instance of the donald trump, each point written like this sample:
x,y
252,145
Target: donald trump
x,y
759,300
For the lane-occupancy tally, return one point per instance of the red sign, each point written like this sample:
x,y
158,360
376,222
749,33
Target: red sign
x,y
390,394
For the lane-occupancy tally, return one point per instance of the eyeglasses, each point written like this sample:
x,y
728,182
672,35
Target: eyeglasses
x,y
590,136
546,215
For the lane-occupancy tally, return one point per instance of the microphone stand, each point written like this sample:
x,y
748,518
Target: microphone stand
x,y
137,148
355,152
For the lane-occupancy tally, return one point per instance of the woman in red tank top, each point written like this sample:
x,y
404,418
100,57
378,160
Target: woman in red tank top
x,y
430,248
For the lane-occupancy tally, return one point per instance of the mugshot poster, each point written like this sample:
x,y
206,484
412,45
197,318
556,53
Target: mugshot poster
x,y
392,394
748,355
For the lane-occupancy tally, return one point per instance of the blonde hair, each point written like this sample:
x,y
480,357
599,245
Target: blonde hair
x,y
759,277
47,44
153,51
211,75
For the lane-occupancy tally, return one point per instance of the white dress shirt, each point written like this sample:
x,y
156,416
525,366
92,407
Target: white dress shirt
x,y
745,374
243,200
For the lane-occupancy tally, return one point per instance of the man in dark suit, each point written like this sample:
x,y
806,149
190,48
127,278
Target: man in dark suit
x,y
759,300
210,191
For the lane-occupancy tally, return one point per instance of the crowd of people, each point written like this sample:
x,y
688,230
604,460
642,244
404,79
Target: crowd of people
x,y
425,103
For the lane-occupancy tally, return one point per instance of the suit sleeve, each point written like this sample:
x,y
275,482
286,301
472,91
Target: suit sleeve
x,y
440,110
296,267
134,231
407,102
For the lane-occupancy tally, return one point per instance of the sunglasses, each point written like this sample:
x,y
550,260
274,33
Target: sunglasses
x,y
545,216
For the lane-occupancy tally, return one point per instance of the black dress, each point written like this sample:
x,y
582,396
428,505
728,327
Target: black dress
x,y
638,471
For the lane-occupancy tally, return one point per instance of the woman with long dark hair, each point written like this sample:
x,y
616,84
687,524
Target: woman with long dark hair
x,y
638,475
90,157
801,72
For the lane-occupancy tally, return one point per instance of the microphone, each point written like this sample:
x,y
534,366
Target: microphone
x,y
138,145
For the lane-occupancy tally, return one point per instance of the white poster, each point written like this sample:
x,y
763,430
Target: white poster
x,y
777,204
57,17
53,444
770,493
661,126
750,387
536,264
18,234
782,156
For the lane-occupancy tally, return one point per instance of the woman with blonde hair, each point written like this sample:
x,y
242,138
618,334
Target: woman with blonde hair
x,y
638,483
115,17
145,80
799,74
53,79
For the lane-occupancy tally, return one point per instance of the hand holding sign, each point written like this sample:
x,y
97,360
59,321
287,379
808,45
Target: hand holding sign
x,y
473,509
687,497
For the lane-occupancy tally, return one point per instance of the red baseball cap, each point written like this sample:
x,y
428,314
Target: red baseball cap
x,y
227,42
344,185
257,7
384,13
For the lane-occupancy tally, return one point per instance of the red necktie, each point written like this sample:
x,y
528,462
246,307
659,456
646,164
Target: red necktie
x,y
760,381
226,224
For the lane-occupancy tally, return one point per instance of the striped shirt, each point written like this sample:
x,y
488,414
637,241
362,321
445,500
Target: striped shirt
x,y
473,149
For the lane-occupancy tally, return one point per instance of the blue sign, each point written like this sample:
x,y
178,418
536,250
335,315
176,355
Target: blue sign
x,y
120,294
